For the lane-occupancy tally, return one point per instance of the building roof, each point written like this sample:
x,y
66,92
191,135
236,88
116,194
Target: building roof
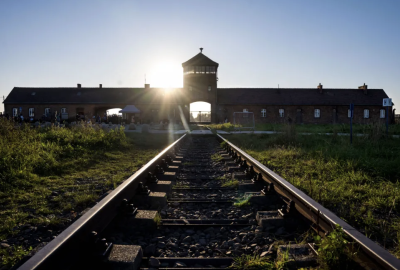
x,y
225,96
130,109
200,60
299,96
74,95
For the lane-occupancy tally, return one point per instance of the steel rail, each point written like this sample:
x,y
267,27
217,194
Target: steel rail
x,y
319,215
61,252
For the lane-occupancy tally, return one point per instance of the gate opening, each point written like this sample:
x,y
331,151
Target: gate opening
x,y
200,112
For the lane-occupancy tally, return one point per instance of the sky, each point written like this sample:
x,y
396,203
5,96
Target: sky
x,y
340,44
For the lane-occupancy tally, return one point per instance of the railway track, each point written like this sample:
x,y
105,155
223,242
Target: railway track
x,y
199,205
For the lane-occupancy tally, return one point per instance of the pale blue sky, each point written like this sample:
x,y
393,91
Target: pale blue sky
x,y
257,43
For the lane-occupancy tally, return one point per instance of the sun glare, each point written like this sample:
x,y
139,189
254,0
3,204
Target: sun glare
x,y
200,107
166,75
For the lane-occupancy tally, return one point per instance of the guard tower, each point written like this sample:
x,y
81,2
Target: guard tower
x,y
200,81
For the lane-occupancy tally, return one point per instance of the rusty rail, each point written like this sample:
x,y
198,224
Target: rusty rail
x,y
61,252
374,255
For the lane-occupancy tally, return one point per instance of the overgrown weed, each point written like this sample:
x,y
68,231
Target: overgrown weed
x,y
359,181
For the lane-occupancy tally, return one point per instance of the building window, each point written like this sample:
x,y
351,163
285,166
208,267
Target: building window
x,y
203,69
366,113
382,113
15,112
207,69
212,70
245,112
63,110
31,112
317,113
198,69
263,113
189,69
281,113
209,88
47,112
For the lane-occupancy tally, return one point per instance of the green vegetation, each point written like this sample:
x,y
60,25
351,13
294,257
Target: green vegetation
x,y
157,219
225,126
332,249
250,262
231,183
320,128
359,181
187,163
216,157
49,176
244,201
228,182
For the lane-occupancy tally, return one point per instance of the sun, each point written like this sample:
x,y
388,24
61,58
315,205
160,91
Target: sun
x,y
166,74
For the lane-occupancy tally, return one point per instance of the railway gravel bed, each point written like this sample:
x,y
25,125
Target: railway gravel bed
x,y
203,220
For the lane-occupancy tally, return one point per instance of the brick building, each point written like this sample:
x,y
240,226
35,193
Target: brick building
x,y
200,77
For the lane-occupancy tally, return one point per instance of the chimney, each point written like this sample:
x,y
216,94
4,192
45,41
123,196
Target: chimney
x,y
146,86
320,86
364,87
100,86
79,85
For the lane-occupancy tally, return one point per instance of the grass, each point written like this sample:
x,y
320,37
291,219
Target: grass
x,y
242,202
216,157
228,182
224,126
333,128
359,181
49,176
252,262
231,183
317,128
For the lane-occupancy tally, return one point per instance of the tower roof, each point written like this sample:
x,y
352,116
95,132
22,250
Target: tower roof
x,y
200,60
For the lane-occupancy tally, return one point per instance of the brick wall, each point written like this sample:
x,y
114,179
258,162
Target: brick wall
x,y
155,112
149,113
303,114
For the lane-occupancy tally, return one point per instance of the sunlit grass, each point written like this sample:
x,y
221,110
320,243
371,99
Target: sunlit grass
x,y
359,182
49,176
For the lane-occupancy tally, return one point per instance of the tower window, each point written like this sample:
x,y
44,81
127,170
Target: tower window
x,y
263,113
212,70
209,88
207,69
189,69
203,69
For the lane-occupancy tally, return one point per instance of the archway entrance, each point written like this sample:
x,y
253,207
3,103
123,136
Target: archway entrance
x,y
200,112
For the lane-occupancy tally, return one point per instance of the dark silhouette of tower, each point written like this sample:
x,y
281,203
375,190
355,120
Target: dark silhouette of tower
x,y
200,81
